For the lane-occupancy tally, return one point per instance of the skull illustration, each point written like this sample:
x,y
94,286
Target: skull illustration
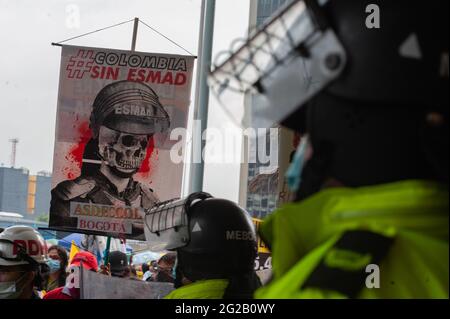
x,y
122,151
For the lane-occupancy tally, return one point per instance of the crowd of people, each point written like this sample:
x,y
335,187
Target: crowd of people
x,y
28,270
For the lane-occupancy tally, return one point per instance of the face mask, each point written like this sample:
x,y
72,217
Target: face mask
x,y
10,289
294,172
54,265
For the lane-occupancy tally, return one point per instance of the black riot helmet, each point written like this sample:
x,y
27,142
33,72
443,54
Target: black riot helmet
x,y
385,118
214,239
367,80
224,233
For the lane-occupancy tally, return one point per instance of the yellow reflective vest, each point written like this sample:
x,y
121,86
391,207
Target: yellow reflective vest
x,y
414,214
204,289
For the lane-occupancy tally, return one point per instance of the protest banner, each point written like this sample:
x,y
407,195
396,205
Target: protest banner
x,y
112,149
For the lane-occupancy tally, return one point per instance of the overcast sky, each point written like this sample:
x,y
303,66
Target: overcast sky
x,y
29,65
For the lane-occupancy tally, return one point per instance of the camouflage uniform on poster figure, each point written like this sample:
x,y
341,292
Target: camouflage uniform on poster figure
x,y
124,118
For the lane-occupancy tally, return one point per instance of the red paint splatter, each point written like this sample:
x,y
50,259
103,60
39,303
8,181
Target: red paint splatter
x,y
75,155
146,164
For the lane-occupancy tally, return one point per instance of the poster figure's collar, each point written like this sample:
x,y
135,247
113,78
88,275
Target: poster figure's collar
x,y
130,193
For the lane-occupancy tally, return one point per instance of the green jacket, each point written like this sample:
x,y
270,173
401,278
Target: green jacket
x,y
414,214
204,289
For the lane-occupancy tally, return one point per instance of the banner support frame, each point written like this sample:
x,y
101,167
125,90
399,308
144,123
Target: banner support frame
x,y
135,30
133,48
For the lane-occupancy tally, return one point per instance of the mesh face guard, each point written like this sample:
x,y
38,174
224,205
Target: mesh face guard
x,y
282,65
167,223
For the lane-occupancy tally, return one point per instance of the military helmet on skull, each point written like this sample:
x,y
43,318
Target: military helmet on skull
x,y
129,107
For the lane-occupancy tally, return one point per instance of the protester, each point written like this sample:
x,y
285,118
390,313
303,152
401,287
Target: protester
x,y
151,271
57,261
165,267
23,253
145,267
134,274
119,266
85,259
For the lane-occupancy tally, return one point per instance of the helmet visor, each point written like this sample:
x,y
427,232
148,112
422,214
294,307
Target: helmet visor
x,y
280,67
167,223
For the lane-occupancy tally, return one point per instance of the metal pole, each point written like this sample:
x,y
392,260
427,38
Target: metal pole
x,y
133,48
187,174
81,281
202,100
135,29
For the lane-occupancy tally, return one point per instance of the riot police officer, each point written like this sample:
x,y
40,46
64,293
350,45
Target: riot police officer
x,y
216,246
370,82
